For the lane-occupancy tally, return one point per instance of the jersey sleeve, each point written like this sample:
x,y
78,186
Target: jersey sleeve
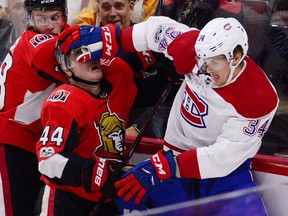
x,y
43,58
55,148
154,34
163,35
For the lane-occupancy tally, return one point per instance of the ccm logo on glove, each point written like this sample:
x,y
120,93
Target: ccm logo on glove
x,y
161,166
99,171
108,39
158,164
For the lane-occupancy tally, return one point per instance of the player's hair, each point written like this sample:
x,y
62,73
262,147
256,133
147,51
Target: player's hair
x,y
61,59
237,49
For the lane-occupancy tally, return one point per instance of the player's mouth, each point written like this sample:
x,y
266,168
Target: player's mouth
x,y
215,76
96,67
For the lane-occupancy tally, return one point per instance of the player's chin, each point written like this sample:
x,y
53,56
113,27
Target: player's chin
x,y
97,74
53,32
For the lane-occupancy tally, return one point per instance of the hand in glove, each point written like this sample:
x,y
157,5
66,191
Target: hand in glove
x,y
100,175
99,42
146,175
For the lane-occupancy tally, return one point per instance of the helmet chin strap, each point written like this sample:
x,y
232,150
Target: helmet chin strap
x,y
84,81
232,70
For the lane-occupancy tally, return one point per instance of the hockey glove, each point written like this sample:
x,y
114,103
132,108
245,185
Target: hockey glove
x,y
98,42
140,180
100,175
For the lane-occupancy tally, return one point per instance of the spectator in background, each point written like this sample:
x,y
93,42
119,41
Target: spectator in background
x,y
141,10
11,25
15,12
6,34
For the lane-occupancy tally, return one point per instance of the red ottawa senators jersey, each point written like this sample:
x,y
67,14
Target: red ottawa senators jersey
x,y
79,125
28,75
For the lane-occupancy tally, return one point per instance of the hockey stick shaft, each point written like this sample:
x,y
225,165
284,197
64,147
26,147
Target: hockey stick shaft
x,y
131,150
156,107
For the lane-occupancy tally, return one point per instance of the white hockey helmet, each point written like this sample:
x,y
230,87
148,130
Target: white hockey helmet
x,y
221,36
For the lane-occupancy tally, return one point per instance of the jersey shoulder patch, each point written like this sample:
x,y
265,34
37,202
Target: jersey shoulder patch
x,y
39,39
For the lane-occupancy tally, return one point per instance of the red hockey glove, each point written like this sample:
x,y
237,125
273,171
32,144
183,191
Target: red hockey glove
x,y
146,175
99,174
182,49
99,42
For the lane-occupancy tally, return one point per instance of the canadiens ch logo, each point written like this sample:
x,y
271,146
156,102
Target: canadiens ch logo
x,y
111,132
193,109
60,95
40,38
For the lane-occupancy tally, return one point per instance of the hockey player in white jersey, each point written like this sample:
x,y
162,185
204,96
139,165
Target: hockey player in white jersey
x,y
217,121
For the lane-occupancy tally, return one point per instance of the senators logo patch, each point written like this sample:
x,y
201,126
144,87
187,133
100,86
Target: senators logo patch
x,y
60,95
111,132
40,38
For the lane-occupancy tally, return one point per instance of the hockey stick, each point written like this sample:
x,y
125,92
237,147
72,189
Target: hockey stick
x,y
127,157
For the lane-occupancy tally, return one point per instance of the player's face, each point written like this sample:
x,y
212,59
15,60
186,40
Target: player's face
x,y
15,11
116,12
219,68
90,71
47,22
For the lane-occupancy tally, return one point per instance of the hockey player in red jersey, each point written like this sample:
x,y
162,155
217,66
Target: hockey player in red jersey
x,y
28,75
82,145
218,119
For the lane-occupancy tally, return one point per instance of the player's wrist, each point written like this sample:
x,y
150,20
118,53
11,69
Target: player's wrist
x,y
132,131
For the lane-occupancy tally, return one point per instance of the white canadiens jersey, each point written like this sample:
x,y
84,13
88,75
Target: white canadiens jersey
x,y
221,127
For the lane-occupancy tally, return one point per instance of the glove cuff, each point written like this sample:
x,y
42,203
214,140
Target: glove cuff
x,y
87,174
110,33
164,164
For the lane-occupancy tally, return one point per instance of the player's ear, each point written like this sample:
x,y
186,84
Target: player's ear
x,y
67,72
131,6
237,57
